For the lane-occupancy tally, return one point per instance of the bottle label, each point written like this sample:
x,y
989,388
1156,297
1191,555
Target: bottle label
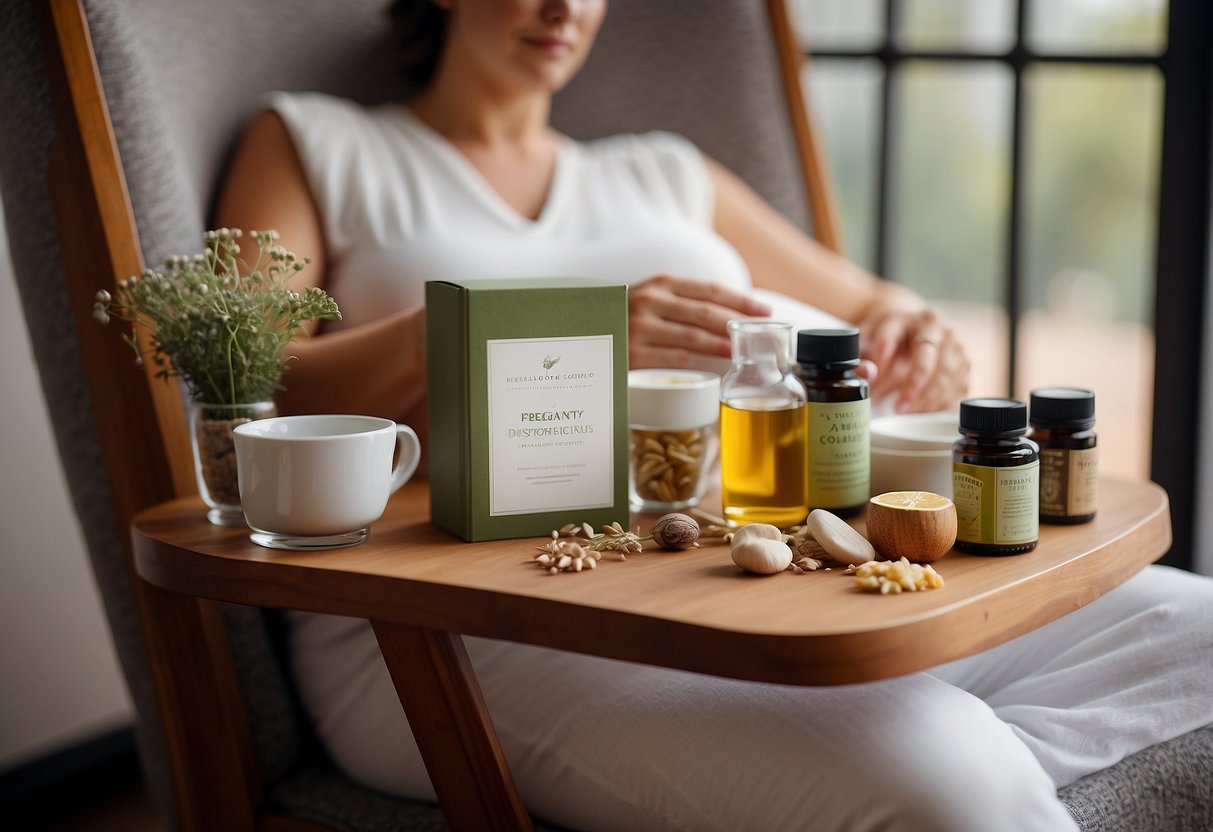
x,y
997,506
1069,481
839,456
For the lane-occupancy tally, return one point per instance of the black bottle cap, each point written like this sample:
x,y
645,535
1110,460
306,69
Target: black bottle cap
x,y
828,346
1063,407
999,417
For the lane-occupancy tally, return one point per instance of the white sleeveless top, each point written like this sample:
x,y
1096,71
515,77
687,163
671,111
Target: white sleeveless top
x,y
401,205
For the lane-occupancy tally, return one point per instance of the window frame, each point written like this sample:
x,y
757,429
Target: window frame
x,y
1182,256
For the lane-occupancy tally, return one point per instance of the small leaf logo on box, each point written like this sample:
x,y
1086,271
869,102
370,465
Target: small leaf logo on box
x,y
549,362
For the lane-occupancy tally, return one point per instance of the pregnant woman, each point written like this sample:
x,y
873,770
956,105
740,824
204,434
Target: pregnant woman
x,y
467,179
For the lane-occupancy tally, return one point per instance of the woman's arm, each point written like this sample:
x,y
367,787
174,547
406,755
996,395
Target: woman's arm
x,y
376,368
915,349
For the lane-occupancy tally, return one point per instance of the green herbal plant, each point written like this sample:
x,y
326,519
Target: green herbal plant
x,y
218,322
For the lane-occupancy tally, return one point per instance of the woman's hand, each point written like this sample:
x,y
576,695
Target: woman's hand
x,y
675,321
917,355
908,347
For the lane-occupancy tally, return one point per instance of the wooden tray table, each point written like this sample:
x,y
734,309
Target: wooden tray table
x,y
423,588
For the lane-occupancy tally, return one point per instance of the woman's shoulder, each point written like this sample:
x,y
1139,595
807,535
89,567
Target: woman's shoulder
x,y
339,133
354,157
318,109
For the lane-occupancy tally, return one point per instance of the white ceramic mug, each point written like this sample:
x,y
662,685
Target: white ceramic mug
x,y
317,482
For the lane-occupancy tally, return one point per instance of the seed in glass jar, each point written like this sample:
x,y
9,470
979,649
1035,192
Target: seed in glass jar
x,y
666,464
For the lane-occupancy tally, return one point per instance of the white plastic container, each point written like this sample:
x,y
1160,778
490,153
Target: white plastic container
x,y
913,452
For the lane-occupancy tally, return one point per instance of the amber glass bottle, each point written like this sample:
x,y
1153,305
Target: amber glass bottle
x,y
995,479
839,456
1063,422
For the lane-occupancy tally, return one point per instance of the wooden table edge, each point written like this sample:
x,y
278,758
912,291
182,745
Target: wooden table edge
x,y
836,658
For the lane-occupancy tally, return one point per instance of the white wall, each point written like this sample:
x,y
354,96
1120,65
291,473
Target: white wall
x,y
59,676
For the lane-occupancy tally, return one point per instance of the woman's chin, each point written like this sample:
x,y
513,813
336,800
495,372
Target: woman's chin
x,y
547,74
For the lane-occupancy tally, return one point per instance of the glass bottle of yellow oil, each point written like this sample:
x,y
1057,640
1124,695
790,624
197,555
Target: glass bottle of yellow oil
x,y
763,459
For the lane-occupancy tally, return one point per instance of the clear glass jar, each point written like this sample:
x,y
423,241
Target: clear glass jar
x,y
211,427
673,435
763,453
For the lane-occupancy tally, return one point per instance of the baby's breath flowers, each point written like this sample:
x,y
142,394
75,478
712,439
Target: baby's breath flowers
x,y
218,321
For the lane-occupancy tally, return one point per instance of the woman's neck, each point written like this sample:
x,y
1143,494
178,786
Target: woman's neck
x,y
504,134
478,113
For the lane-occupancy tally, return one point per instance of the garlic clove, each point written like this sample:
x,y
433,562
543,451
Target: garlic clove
x,y
761,555
841,542
757,531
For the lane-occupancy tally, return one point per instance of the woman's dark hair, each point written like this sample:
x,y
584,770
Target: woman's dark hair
x,y
420,28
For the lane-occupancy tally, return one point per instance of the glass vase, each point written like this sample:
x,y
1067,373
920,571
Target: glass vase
x,y
211,428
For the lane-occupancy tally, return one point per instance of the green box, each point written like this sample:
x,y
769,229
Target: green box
x,y
528,405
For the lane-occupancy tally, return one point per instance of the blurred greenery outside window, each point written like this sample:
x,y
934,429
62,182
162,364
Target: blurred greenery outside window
x,y
1088,181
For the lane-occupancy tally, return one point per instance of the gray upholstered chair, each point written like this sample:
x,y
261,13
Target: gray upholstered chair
x,y
180,78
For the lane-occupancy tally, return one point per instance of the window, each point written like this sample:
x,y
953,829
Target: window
x,y
1006,159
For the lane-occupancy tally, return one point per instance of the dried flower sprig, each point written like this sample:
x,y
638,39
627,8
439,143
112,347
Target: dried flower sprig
x,y
576,546
612,538
218,321
568,551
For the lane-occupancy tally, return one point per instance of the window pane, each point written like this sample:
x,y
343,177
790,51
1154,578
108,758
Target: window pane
x,y
844,98
838,24
982,328
972,25
949,192
1090,208
1138,26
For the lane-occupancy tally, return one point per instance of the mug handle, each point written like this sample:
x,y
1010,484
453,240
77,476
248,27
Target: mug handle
x,y
410,455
